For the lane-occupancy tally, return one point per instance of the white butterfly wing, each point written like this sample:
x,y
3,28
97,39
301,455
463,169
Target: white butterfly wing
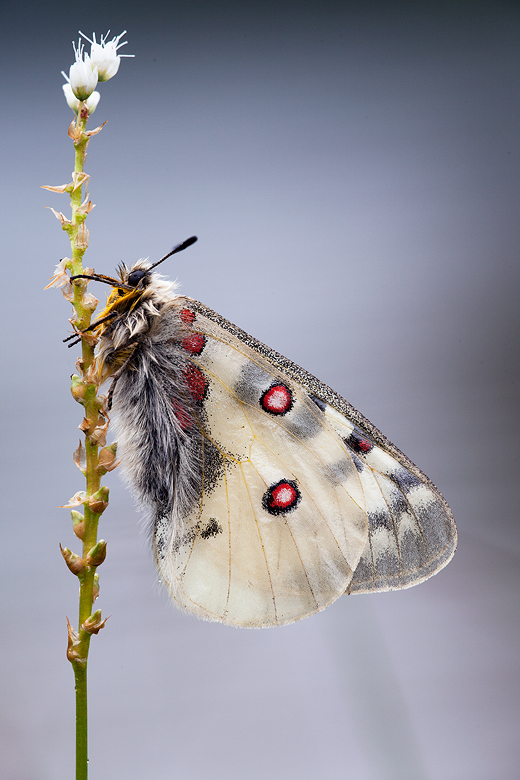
x,y
411,529
303,505
265,566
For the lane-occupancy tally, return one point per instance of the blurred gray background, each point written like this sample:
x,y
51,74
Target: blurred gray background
x,y
352,172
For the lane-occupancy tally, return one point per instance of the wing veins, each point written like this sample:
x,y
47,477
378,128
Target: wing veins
x,y
318,510
414,514
261,543
229,539
294,542
245,404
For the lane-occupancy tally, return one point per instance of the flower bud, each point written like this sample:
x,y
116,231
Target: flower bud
x,y
74,103
78,524
77,388
94,624
75,563
98,507
107,459
97,554
83,75
104,55
99,501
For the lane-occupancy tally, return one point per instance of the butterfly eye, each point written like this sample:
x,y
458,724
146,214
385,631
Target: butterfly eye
x,y
135,277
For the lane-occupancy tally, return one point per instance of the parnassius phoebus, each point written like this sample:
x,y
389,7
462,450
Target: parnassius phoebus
x,y
269,496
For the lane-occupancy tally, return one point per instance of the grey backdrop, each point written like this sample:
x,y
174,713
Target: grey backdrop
x,y
351,170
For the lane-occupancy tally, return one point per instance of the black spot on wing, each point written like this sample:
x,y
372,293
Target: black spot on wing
x,y
161,533
379,519
404,479
398,503
358,442
213,528
205,531
342,469
358,463
212,465
252,383
302,423
319,403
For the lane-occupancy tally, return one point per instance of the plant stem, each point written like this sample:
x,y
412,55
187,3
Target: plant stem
x,y
79,641
80,676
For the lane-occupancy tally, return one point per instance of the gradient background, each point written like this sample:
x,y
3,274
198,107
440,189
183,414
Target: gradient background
x,y
352,172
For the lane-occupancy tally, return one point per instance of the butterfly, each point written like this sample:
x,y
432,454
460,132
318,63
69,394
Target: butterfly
x,y
268,495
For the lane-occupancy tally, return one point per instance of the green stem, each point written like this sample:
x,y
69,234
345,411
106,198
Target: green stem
x,y
79,641
80,676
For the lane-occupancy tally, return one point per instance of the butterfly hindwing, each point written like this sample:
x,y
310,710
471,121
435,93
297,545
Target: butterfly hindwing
x,y
411,530
302,499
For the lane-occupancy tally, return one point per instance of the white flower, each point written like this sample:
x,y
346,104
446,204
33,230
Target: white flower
x,y
73,101
83,75
104,55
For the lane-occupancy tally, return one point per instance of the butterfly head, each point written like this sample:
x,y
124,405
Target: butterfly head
x,y
137,277
136,289
133,284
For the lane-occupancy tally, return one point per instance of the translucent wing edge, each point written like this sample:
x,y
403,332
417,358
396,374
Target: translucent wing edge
x,y
427,571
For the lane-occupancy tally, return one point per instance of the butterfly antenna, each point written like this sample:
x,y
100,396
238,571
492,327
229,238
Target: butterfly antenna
x,y
178,248
94,325
104,279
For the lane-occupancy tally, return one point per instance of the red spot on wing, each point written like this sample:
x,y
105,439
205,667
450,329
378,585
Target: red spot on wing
x,y
187,316
194,343
196,382
282,497
277,400
358,443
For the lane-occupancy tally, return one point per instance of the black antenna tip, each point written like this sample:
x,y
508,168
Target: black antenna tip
x,y
187,243
179,248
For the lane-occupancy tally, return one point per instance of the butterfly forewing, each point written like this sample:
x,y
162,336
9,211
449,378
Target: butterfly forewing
x,y
278,535
303,503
